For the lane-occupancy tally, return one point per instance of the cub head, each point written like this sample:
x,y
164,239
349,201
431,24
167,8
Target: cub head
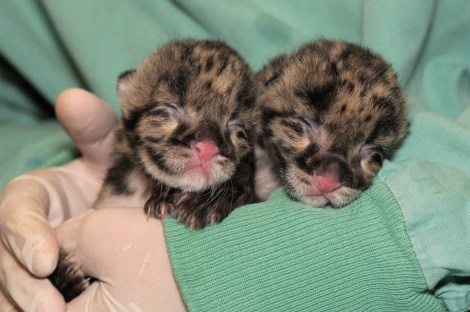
x,y
331,112
187,113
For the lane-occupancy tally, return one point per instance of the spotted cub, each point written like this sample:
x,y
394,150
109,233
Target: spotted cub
x,y
184,145
331,112
185,141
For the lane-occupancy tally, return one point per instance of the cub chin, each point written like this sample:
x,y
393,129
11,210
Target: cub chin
x,y
331,112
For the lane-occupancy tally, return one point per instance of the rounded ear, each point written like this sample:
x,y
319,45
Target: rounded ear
x,y
123,82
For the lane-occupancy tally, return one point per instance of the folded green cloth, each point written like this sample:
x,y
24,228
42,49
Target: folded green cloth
x,y
403,245
284,256
435,200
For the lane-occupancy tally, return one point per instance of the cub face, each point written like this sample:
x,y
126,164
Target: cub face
x,y
187,113
331,112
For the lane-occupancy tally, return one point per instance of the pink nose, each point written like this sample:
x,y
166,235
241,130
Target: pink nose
x,y
326,184
205,150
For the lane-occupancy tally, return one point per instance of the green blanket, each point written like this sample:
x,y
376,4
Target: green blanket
x,y
48,45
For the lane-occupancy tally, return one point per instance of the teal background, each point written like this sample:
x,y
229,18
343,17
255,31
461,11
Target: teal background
x,y
47,46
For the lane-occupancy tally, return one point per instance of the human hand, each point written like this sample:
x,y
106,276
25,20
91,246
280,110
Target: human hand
x,y
33,202
126,252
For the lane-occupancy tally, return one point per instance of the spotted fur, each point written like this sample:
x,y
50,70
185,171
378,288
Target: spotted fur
x,y
188,96
331,112
187,92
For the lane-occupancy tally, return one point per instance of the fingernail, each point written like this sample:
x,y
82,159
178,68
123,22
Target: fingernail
x,y
43,263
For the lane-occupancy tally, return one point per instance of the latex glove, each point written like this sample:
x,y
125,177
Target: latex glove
x,y
125,250
35,200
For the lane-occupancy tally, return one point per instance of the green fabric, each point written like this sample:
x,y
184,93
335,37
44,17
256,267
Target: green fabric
x,y
46,144
285,256
48,45
435,200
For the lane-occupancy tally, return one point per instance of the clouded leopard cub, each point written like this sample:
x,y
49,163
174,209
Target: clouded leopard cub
x,y
184,146
331,112
185,142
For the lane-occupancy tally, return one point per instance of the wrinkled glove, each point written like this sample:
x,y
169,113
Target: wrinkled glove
x,y
37,200
125,251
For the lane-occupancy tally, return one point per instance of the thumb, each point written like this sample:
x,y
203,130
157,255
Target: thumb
x,y
90,122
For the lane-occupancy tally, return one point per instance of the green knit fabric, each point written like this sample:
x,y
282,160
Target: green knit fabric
x,y
284,256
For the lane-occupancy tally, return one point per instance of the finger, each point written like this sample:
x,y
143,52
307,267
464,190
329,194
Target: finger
x,y
89,121
6,305
96,236
131,270
69,233
28,292
26,232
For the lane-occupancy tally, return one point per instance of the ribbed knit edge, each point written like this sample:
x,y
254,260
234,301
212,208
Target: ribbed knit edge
x,y
284,256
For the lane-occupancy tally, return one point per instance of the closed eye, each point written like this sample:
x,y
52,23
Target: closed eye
x,y
165,110
307,122
236,126
175,108
372,152
300,125
294,125
235,123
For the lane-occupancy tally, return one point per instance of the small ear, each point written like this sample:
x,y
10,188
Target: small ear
x,y
123,81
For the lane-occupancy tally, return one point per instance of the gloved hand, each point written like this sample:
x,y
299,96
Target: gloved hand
x,y
125,250
39,199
